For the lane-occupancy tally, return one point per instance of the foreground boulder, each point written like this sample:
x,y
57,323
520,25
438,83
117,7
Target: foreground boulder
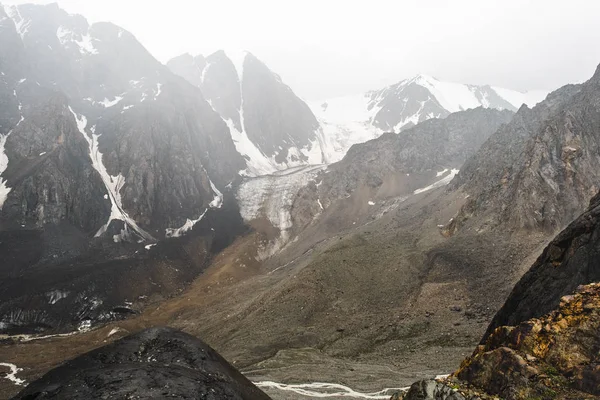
x,y
154,364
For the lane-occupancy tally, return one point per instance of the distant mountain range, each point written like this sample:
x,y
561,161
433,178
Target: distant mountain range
x,y
355,119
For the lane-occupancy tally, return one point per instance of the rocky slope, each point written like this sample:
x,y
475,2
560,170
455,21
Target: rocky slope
x,y
356,119
368,278
543,341
543,164
271,127
92,102
101,144
153,364
396,166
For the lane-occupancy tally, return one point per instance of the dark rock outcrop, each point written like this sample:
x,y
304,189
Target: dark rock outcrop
x,y
280,128
155,364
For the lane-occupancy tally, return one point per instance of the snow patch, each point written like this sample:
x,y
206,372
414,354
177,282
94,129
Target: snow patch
x,y
217,201
185,228
85,325
84,42
4,189
109,103
441,172
12,375
371,203
517,99
442,182
113,184
113,331
158,90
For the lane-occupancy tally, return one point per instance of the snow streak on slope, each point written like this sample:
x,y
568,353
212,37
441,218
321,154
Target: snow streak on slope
x,y
4,189
112,183
216,202
185,228
109,103
271,197
12,375
442,182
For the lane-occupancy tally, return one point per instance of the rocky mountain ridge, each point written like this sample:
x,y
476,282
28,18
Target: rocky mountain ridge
x,y
543,164
356,119
271,127
127,110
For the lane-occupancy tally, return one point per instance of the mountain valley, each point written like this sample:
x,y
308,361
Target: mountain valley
x,y
340,248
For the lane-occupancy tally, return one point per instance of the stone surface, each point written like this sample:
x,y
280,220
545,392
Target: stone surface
x,y
154,364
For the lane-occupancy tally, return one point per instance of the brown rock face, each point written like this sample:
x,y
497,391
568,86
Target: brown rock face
x,y
552,354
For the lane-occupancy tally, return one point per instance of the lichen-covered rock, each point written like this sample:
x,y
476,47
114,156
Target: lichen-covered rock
x,y
543,357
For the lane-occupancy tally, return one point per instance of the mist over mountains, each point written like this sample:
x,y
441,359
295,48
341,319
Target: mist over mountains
x,y
339,247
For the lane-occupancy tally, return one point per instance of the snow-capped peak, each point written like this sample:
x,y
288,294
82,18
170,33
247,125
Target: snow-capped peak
x,y
355,119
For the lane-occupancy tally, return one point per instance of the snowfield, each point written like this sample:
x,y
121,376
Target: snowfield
x,y
12,375
271,197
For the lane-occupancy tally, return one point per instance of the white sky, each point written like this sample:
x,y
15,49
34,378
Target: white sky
x,y
325,48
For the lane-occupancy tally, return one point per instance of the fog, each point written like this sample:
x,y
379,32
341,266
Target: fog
x,y
329,48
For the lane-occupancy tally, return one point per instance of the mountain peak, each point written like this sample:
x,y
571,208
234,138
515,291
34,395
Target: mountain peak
x,y
596,76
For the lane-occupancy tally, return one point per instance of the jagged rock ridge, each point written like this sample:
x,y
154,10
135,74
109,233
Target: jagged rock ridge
x,y
271,127
355,119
